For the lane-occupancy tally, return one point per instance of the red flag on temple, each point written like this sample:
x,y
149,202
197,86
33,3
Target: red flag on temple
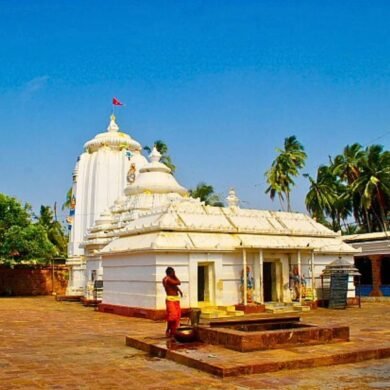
x,y
116,102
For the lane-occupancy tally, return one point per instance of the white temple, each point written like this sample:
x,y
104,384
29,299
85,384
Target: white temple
x,y
99,178
155,224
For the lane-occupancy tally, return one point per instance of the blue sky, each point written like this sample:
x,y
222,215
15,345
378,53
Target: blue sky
x,y
221,82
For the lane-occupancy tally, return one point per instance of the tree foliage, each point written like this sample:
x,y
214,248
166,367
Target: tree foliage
x,y
12,212
206,194
22,238
27,243
356,182
162,148
54,230
68,200
284,168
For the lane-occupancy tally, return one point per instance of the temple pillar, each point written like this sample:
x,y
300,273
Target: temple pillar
x,y
261,266
299,274
313,280
376,275
245,277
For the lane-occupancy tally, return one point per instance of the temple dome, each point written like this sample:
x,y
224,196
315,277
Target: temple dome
x,y
112,138
155,177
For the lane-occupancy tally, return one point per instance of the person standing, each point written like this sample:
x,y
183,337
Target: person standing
x,y
171,285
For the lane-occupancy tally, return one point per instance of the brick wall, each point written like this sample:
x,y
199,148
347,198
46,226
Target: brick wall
x,y
33,281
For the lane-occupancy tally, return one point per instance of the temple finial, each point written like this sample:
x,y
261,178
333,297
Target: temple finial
x,y
232,199
113,125
155,155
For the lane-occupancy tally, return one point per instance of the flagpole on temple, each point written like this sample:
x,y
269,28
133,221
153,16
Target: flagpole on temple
x,y
115,102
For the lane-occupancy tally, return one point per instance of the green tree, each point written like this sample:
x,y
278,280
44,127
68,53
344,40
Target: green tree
x,y
20,238
328,198
27,243
53,229
68,200
356,182
162,147
346,166
373,185
206,194
12,213
284,168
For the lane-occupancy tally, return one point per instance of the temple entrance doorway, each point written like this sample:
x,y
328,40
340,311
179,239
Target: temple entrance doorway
x,y
268,280
205,284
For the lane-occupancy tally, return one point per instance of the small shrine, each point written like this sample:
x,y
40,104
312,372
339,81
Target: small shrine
x,y
230,260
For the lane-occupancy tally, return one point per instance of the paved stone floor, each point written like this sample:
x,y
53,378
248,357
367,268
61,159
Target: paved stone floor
x,y
46,344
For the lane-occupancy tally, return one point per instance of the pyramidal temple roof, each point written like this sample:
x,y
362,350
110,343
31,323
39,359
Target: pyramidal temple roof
x,y
112,138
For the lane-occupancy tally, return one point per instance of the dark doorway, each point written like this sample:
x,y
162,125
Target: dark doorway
x,y
201,282
267,281
385,270
363,264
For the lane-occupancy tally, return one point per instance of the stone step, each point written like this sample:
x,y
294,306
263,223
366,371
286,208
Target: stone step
x,y
214,314
235,313
227,308
301,308
279,311
211,310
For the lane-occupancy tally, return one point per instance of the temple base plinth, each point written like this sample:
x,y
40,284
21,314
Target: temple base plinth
x,y
251,308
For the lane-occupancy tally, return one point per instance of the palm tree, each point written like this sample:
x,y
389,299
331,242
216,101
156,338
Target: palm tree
x,y
68,200
162,147
328,197
320,198
53,229
278,181
347,167
206,194
286,166
373,184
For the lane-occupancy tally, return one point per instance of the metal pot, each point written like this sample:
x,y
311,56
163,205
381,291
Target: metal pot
x,y
185,334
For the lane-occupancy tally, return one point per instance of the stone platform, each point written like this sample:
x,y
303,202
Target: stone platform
x,y
224,362
256,334
365,343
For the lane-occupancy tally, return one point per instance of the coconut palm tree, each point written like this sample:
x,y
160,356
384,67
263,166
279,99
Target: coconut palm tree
x,y
347,164
321,197
162,147
68,200
328,197
206,194
373,184
347,167
53,229
286,166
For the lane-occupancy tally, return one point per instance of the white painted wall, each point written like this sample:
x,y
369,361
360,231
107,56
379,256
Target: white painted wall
x,y
130,280
135,280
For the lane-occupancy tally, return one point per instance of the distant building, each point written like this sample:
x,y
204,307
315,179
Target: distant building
x,y
373,262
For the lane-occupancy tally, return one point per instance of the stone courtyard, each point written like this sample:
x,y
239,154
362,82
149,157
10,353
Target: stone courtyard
x,y
46,344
